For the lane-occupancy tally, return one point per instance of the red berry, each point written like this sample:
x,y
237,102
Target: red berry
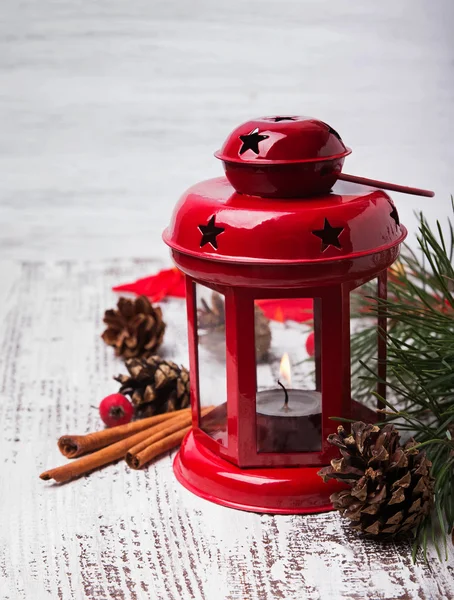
x,y
310,344
116,410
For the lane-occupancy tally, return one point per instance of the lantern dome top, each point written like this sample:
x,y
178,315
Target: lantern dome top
x,y
213,222
282,140
283,157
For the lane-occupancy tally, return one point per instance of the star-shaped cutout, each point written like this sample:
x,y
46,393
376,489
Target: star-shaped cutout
x,y
394,214
329,235
209,232
251,141
279,119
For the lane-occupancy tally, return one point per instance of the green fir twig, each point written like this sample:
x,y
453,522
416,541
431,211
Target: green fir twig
x,y
420,360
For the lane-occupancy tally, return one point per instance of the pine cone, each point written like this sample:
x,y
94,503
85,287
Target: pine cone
x,y
391,489
155,385
135,329
212,319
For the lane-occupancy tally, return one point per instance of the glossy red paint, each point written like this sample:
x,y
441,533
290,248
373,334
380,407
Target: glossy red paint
x,y
248,248
269,489
258,231
288,158
291,140
298,491
394,187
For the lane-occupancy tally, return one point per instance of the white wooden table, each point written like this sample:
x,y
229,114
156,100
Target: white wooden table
x,y
123,534
109,109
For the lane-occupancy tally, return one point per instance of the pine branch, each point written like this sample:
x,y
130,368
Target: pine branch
x,y
420,359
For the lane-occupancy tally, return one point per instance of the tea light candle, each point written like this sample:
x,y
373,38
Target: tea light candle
x,y
288,420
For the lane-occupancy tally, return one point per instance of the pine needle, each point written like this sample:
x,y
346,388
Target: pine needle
x,y
420,361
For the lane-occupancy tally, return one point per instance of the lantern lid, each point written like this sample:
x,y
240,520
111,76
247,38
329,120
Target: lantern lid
x,y
213,222
282,140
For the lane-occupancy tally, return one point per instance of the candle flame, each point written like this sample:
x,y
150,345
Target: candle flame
x,y
285,371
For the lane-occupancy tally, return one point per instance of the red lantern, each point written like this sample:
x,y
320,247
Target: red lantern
x,y
274,230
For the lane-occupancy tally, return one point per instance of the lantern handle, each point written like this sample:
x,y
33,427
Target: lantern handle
x,y
386,186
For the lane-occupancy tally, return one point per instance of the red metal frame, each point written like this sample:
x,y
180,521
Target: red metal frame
x,y
219,472
334,324
271,248
295,490
234,475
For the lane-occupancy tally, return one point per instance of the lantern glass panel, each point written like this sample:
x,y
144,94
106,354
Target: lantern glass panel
x,y
212,377
288,413
364,339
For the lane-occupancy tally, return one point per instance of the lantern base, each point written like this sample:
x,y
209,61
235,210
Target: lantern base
x,y
283,490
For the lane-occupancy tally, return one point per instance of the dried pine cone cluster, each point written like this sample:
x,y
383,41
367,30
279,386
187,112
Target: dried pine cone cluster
x,y
135,328
155,385
391,489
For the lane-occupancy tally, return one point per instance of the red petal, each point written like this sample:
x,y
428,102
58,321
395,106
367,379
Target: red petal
x,y
179,289
168,282
287,309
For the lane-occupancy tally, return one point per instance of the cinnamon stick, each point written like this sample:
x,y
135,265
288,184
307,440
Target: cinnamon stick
x,y
73,446
104,456
136,461
155,436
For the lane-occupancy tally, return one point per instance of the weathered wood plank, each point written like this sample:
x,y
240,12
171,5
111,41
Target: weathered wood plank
x,y
122,534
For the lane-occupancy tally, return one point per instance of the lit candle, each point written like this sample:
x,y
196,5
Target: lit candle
x,y
288,420
286,374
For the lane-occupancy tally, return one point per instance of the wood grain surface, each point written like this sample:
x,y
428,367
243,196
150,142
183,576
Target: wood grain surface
x,y
123,534
109,109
